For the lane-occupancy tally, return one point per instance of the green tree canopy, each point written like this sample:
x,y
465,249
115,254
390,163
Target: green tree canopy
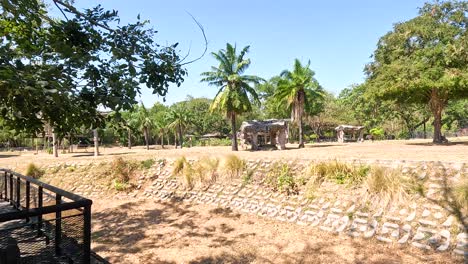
x,y
60,70
424,60
235,93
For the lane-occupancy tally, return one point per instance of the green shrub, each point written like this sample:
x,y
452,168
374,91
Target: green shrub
x,y
377,132
121,186
281,178
147,164
49,151
34,171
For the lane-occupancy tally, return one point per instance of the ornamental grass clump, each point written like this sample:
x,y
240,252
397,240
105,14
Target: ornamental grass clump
x,y
233,166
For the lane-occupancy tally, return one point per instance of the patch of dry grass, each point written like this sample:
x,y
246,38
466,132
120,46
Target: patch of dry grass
x,y
34,171
232,166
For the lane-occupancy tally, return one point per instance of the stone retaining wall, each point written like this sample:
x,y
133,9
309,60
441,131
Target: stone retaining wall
x,y
425,226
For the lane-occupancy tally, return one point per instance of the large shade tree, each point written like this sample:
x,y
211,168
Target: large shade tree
x,y
235,94
60,70
301,93
424,60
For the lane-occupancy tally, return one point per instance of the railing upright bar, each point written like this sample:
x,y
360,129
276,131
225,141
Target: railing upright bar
x,y
39,205
18,193
28,197
58,226
11,189
87,234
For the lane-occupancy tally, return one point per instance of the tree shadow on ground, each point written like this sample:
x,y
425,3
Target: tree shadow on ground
x,y
220,235
8,155
324,145
430,144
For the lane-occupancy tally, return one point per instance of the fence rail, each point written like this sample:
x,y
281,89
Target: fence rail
x,y
47,224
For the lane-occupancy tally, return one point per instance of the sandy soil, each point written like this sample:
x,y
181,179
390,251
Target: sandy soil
x,y
144,231
414,150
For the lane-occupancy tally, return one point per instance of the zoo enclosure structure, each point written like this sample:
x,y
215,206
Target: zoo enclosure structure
x,y
40,223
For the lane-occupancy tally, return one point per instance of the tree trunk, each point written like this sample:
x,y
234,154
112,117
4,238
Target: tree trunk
x,y
233,130
425,134
175,139
162,140
437,105
96,142
145,133
129,138
181,139
54,144
301,132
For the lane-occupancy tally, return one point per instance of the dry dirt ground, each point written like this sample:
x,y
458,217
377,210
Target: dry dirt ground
x,y
415,150
145,231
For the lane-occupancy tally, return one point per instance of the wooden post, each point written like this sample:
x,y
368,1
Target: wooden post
x,y
54,144
96,142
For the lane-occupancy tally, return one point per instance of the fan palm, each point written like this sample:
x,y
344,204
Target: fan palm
x,y
296,90
235,93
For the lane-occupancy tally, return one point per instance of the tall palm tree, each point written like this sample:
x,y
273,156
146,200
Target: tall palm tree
x,y
179,119
145,123
235,93
297,90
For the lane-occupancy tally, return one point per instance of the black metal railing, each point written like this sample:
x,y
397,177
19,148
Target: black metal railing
x,y
45,224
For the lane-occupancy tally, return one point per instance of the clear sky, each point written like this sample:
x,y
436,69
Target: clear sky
x,y
338,37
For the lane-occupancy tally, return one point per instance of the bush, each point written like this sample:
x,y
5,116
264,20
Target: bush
x,y
280,178
33,171
377,133
147,164
122,170
233,166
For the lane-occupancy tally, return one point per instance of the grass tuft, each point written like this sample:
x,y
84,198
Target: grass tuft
x,y
34,171
233,166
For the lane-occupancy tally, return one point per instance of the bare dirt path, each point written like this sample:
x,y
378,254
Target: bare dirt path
x,y
410,150
145,231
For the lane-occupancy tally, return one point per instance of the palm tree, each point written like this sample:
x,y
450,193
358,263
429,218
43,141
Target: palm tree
x,y
144,121
234,87
179,119
296,90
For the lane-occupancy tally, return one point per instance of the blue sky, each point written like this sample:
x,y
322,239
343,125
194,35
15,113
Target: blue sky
x,y
338,37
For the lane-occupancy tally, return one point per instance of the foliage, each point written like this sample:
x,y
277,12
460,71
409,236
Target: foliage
x,y
424,60
300,92
281,178
179,119
235,93
59,70
34,171
377,132
147,164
